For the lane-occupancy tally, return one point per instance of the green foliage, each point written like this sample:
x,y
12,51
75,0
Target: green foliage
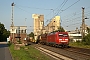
x,y
79,44
86,39
27,54
31,34
61,29
1,29
4,34
88,30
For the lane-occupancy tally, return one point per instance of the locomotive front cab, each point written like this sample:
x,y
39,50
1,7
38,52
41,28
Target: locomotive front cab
x,y
63,39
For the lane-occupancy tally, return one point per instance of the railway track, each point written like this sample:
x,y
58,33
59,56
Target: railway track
x,y
68,53
53,54
79,51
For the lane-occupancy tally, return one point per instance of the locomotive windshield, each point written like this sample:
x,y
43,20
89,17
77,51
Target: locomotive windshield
x,y
63,35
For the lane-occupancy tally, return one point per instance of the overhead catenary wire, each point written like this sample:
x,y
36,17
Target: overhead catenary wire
x,y
71,19
73,24
69,6
87,14
55,9
76,12
22,9
69,16
61,7
64,2
65,9
66,23
35,8
32,8
67,20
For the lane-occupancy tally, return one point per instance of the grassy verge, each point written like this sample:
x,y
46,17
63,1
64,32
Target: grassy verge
x,y
27,54
79,44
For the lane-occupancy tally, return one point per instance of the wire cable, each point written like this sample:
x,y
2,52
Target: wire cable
x,y
61,7
66,9
69,6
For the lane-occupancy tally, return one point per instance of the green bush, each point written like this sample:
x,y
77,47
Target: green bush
x,y
86,40
78,41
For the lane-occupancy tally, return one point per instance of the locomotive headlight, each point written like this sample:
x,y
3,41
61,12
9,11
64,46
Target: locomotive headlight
x,y
66,39
60,39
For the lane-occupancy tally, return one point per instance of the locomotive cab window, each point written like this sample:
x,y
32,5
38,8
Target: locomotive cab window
x,y
63,35
60,35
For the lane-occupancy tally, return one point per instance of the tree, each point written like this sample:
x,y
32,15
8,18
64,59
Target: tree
x,y
4,34
61,29
88,30
86,39
31,34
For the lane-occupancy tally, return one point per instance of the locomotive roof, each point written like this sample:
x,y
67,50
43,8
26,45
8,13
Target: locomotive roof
x,y
58,32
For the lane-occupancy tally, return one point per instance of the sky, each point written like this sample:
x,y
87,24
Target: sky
x,y
70,12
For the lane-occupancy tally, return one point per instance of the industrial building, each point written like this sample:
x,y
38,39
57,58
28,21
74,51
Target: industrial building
x,y
38,24
39,27
53,25
18,33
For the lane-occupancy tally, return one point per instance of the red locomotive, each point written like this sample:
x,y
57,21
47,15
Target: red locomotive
x,y
57,39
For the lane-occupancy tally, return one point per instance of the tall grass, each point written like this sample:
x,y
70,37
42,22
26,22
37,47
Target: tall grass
x,y
79,44
27,54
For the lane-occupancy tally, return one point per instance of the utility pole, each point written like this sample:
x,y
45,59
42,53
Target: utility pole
x,y
83,23
25,21
12,14
25,25
12,24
